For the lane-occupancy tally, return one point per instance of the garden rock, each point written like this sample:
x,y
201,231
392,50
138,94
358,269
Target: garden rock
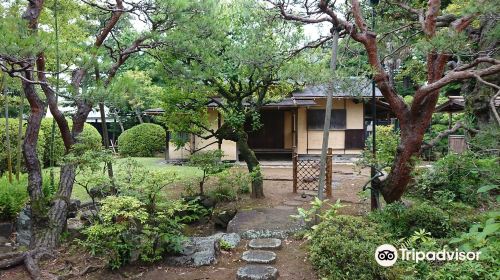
x,y
265,244
223,218
88,216
74,205
74,225
23,227
257,272
199,251
231,239
259,256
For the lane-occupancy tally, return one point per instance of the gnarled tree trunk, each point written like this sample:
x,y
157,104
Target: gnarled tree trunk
x,y
240,136
253,165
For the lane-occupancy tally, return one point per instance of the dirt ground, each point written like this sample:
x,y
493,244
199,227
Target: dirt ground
x,y
292,258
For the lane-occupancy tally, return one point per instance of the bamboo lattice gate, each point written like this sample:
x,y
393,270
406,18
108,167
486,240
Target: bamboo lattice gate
x,y
306,170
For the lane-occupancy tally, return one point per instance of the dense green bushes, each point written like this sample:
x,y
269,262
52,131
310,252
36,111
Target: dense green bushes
x,y
457,177
129,231
13,131
401,221
90,134
142,140
343,248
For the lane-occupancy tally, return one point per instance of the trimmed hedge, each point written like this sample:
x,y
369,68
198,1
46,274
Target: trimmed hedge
x,y
142,140
13,129
92,137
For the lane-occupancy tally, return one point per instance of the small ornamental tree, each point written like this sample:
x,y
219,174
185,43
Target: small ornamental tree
x,y
210,162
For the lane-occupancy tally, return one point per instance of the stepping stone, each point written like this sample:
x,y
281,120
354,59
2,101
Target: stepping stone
x,y
265,244
265,223
284,207
259,256
293,203
257,272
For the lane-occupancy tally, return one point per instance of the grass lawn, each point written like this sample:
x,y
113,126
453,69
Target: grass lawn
x,y
183,172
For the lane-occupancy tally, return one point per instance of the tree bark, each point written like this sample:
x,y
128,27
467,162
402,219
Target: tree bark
x,y
253,164
394,186
19,138
139,116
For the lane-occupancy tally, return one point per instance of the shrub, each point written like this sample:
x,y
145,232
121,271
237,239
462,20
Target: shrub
x,y
13,131
90,134
457,177
142,140
232,177
222,193
403,222
343,248
13,197
210,162
127,232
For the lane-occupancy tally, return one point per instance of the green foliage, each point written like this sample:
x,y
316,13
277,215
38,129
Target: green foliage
x,y
480,236
133,91
126,230
457,177
210,162
14,196
224,245
315,211
342,248
387,142
234,177
241,56
13,132
142,140
90,136
402,222
487,140
222,193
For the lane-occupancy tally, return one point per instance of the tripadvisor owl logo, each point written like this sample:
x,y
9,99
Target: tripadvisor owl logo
x,y
386,255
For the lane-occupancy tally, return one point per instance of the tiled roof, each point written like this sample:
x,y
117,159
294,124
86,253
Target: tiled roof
x,y
351,88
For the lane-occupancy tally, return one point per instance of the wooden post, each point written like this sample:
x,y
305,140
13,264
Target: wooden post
x,y
295,157
329,171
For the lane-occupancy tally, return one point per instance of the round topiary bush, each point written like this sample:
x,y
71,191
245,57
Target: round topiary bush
x,y
13,132
93,140
343,248
142,140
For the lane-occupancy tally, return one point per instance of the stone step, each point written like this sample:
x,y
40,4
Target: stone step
x,y
265,244
259,257
257,272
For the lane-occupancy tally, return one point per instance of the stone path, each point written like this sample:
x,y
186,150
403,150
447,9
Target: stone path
x,y
258,258
265,227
